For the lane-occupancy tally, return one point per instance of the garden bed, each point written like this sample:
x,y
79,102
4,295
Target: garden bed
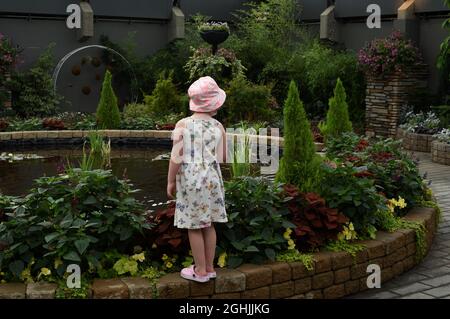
x,y
440,152
415,142
335,274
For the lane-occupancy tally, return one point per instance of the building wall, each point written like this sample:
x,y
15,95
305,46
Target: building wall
x,y
35,24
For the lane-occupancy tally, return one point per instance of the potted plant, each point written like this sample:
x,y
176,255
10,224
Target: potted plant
x,y
214,33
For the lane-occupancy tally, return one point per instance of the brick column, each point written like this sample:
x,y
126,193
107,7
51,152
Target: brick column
x,y
386,96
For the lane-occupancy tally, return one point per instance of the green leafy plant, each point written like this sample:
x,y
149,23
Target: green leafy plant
x,y
71,218
247,101
165,98
356,197
294,255
108,114
139,123
222,66
63,292
33,93
337,121
135,110
342,245
300,165
8,59
31,124
256,222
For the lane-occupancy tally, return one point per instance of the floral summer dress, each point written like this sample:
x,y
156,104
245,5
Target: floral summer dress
x,y
199,185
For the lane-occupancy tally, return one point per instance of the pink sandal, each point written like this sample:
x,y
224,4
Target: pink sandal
x,y
189,273
212,275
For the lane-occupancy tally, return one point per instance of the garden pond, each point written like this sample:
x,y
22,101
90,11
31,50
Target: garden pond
x,y
145,167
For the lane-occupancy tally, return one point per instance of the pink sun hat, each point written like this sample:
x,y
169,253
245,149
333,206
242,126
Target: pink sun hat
x,y
206,96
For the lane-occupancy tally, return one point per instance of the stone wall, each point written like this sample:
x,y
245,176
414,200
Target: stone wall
x,y
415,142
335,274
440,153
386,96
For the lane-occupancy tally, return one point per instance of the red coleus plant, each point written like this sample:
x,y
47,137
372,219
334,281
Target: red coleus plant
x,y
315,222
53,124
165,235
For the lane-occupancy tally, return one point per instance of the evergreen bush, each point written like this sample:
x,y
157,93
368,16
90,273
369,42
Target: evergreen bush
x,y
165,98
337,121
300,164
108,114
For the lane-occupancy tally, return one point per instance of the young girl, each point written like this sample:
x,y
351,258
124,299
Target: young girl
x,y
199,145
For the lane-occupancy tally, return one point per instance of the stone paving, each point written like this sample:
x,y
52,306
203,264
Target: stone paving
x,y
431,278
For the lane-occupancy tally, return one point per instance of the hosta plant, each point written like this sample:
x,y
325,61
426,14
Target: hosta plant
x,y
71,218
257,219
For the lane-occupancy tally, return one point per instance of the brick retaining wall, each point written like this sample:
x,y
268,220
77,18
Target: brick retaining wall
x,y
440,153
415,142
335,274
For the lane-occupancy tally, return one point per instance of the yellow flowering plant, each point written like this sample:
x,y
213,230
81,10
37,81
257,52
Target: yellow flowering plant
x,y
348,233
222,260
393,204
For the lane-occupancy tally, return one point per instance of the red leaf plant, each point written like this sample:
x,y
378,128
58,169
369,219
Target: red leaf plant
x,y
165,235
53,124
315,222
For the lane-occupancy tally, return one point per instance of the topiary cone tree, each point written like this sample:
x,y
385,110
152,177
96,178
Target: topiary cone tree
x,y
108,114
300,164
338,120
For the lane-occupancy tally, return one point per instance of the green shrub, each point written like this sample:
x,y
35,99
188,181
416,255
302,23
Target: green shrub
x,y
108,114
71,218
165,98
337,121
222,66
300,165
257,221
247,101
140,123
135,110
33,93
356,197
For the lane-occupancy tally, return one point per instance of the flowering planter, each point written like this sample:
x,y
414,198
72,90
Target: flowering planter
x,y
440,152
415,142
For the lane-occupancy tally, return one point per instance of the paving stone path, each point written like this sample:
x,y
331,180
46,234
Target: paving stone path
x,y
431,278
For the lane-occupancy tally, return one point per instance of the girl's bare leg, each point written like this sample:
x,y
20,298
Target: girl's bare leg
x,y
209,236
198,250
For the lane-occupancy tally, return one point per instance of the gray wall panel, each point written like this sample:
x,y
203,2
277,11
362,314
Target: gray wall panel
x,y
217,9
358,8
430,5
156,9
312,9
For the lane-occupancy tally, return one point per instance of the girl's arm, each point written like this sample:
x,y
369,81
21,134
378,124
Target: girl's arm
x,y
176,158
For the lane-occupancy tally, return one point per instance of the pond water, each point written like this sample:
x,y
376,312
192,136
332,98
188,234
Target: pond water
x,y
145,167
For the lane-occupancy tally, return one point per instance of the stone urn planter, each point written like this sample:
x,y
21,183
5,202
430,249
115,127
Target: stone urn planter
x,y
214,38
415,142
440,152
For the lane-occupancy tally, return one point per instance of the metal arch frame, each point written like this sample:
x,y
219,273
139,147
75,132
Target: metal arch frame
x,y
68,55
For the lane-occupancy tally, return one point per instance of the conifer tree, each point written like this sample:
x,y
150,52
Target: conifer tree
x,y
300,164
108,114
338,120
